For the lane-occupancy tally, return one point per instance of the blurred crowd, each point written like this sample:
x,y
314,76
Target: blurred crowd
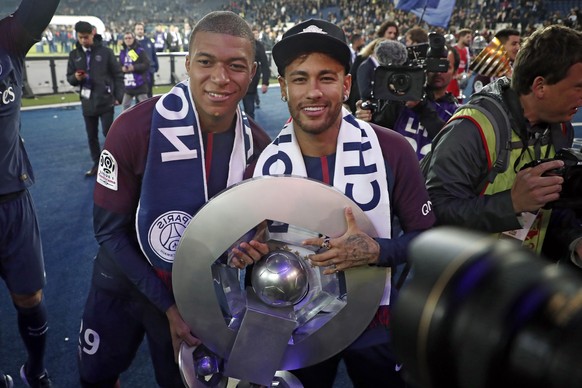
x,y
174,18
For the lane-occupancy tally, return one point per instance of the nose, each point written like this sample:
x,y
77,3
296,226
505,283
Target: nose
x,y
220,75
314,92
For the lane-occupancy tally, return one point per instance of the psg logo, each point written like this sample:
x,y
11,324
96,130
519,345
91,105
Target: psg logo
x,y
165,234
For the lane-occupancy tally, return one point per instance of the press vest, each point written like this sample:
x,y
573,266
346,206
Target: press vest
x,y
517,159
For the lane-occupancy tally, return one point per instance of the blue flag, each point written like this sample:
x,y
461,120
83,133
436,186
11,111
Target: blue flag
x,y
437,12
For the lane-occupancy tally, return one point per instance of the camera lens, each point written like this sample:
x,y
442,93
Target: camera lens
x,y
399,83
482,312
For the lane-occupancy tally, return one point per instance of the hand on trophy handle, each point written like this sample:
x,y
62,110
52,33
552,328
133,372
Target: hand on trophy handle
x,y
247,253
180,331
355,248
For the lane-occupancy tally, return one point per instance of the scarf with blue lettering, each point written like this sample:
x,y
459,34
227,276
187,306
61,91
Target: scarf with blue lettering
x,y
359,172
174,183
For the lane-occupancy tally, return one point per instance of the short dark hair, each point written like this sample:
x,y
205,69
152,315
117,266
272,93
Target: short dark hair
x,y
83,27
224,22
549,52
504,34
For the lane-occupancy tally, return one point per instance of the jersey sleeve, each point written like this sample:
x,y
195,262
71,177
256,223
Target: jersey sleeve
x,y
409,198
116,198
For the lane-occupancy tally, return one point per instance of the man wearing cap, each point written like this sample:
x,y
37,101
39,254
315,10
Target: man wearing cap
x,y
373,166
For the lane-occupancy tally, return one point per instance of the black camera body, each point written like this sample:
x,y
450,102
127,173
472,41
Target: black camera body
x,y
571,194
407,82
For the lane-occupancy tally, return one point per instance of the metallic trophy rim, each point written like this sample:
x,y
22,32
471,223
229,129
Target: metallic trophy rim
x,y
297,201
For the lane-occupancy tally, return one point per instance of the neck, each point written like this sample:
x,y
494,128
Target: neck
x,y
217,125
318,144
439,93
530,111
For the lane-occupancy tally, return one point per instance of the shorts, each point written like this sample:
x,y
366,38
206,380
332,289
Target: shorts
x,y
21,257
112,330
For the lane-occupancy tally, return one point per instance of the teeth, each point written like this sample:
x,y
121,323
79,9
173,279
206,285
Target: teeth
x,y
216,95
313,109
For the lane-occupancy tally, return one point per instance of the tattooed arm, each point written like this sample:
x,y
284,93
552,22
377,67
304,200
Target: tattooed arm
x,y
355,248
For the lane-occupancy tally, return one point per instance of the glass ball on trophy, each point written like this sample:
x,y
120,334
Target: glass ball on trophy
x,y
280,279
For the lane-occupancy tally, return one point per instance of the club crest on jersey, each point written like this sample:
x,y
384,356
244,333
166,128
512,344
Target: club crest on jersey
x,y
165,233
107,173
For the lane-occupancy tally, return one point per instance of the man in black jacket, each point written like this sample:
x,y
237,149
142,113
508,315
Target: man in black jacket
x,y
95,70
264,71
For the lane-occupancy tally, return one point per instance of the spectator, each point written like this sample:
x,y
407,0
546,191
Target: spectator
x,y
463,47
150,50
135,66
262,74
511,41
95,70
388,30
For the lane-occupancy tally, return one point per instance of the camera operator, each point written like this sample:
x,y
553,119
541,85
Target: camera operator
x,y
465,185
418,121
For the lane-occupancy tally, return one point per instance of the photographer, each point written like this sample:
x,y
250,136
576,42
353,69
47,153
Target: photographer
x,y
418,121
465,184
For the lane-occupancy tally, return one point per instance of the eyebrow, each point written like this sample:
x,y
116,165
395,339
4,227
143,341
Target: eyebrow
x,y
212,56
305,73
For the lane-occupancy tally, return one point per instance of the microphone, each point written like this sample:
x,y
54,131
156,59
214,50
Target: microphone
x,y
391,53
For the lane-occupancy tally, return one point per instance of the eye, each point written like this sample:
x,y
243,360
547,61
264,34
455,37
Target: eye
x,y
238,66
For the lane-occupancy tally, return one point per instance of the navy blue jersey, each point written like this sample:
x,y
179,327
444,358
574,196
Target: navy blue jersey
x,y
120,259
18,33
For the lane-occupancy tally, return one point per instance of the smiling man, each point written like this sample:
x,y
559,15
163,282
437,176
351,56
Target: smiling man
x,y
162,160
464,179
372,165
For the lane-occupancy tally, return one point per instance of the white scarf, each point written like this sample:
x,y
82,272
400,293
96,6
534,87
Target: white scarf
x,y
360,172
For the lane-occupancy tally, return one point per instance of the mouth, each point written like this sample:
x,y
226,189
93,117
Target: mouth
x,y
313,110
217,97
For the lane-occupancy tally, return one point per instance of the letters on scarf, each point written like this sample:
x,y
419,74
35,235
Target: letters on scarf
x,y
174,182
360,172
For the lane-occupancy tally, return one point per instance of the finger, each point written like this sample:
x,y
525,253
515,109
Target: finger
x,y
350,219
313,241
542,168
261,248
321,259
241,258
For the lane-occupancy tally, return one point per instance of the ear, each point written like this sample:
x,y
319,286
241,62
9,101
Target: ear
x,y
253,70
538,86
187,63
347,86
283,86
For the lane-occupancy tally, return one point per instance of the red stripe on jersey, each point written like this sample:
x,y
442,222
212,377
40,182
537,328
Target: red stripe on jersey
x,y
325,170
208,162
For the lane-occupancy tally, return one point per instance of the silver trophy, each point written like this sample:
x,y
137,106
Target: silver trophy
x,y
284,315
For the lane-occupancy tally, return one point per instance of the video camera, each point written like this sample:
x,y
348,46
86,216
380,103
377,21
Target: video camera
x,y
487,313
572,174
406,81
